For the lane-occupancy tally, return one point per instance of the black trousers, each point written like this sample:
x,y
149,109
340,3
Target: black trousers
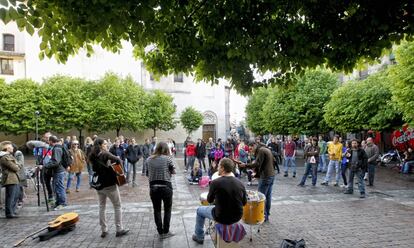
x,y
162,194
47,177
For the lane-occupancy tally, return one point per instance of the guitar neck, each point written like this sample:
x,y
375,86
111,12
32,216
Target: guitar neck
x,y
28,236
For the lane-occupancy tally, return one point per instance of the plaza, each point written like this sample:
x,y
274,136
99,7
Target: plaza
x,y
322,216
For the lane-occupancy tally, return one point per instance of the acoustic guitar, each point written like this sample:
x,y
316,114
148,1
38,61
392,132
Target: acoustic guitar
x,y
61,222
119,172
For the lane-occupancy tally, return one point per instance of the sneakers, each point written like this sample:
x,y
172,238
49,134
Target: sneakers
x,y
167,235
122,233
67,191
104,234
324,183
197,240
59,207
294,175
362,196
343,186
301,185
249,184
286,175
336,184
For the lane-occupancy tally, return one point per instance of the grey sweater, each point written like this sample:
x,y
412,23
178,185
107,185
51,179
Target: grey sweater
x,y
160,170
372,152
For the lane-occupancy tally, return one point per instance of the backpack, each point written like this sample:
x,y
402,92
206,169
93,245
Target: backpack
x,y
67,159
288,243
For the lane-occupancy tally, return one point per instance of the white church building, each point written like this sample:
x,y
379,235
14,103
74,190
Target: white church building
x,y
219,104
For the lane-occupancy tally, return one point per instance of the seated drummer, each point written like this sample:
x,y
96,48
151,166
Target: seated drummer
x,y
229,197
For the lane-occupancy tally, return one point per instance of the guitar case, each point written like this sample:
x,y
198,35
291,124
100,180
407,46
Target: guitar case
x,y
50,234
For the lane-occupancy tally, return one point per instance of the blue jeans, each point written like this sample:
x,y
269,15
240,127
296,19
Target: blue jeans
x,y
58,179
371,173
333,165
90,173
310,168
406,167
203,212
12,195
265,187
190,163
292,160
70,178
361,183
322,163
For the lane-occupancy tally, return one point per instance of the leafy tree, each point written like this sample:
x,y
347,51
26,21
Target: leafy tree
x,y
299,108
159,111
361,105
191,119
69,103
19,101
117,104
217,39
310,94
403,81
254,110
278,112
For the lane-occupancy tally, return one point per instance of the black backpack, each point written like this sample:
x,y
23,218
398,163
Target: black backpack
x,y
67,158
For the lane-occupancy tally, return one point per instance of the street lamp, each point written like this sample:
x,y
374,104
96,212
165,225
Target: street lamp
x,y
37,113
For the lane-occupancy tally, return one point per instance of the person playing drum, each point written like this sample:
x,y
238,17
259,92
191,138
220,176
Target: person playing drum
x,y
264,168
229,196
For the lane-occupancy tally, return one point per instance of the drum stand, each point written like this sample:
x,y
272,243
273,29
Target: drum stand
x,y
251,230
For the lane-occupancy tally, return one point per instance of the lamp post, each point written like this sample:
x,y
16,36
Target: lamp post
x,y
37,113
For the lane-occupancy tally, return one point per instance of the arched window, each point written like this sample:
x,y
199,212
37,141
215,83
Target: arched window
x,y
8,42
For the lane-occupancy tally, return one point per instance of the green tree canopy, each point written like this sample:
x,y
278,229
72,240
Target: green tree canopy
x,y
217,39
403,81
299,108
19,101
159,111
191,119
118,104
359,105
67,103
254,110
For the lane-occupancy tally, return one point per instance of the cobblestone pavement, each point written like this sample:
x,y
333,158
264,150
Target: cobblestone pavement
x,y
321,215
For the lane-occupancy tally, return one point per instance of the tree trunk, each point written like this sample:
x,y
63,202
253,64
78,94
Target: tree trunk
x,y
118,130
27,139
80,139
155,132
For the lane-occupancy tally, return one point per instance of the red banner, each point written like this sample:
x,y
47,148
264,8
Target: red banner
x,y
403,138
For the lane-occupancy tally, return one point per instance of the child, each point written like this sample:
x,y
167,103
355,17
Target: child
x,y
196,173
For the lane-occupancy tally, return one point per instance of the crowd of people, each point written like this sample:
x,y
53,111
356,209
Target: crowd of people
x,y
227,162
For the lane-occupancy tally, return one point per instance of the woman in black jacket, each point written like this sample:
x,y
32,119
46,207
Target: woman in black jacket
x,y
101,159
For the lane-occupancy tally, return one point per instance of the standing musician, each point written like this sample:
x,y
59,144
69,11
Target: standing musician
x,y
263,164
229,196
99,158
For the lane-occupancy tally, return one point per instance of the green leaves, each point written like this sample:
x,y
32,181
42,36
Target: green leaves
x,y
402,76
191,119
159,111
297,109
226,39
362,105
111,103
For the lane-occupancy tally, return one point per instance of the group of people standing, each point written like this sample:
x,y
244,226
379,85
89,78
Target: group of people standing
x,y
350,158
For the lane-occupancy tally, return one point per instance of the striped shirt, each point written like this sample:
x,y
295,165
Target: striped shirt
x,y
160,169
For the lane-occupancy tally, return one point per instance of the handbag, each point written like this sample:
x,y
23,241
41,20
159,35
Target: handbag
x,y
95,182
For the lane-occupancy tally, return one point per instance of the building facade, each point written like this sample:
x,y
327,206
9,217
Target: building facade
x,y
19,59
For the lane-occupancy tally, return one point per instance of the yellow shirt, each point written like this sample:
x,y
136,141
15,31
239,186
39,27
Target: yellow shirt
x,y
335,151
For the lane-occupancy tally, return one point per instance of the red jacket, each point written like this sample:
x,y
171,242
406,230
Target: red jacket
x,y
190,150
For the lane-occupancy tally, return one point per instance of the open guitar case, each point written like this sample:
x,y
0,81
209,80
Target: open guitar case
x,y
50,234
